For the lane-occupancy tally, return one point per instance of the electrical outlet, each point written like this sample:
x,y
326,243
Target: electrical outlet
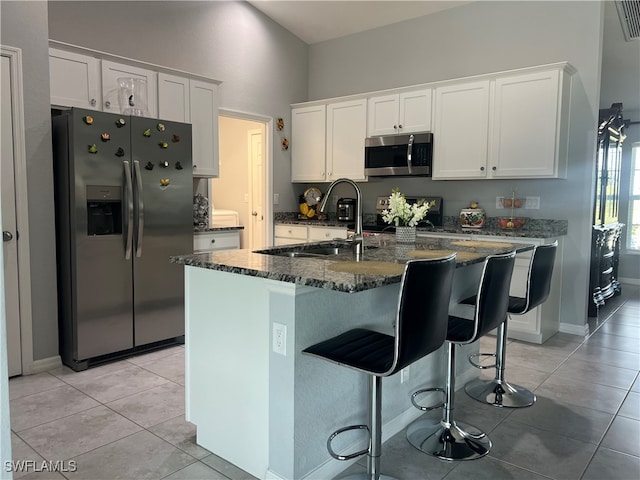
x,y
404,375
246,198
499,205
532,203
276,198
280,338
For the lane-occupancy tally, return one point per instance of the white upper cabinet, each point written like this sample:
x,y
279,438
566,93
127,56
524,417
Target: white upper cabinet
x,y
530,122
461,130
346,131
308,143
514,125
204,124
174,98
405,112
74,80
112,71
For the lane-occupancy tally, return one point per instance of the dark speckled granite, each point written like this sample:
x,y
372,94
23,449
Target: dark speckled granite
x,y
535,228
213,228
314,271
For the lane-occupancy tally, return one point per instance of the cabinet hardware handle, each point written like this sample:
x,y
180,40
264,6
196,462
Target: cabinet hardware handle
x,y
395,127
399,126
107,104
482,169
93,102
213,240
493,168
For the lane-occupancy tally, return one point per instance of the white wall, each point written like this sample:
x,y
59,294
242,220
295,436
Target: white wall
x,y
479,38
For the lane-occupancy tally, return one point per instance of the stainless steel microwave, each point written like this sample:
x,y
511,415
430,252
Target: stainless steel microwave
x,y
393,155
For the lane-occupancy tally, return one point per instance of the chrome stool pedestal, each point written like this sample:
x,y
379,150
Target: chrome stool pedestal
x,y
448,439
498,392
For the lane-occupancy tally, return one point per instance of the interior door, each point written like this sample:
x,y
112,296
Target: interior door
x,y
257,174
9,223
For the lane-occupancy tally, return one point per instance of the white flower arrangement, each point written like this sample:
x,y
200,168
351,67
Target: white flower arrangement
x,y
401,213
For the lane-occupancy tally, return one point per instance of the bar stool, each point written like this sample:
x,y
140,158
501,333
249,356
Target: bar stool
x,y
420,328
498,392
448,439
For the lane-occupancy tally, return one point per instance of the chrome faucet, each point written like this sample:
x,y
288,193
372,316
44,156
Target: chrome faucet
x,y
357,239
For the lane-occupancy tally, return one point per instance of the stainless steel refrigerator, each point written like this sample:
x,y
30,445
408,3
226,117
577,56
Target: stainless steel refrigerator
x,y
123,193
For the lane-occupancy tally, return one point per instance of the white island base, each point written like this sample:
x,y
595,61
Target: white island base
x,y
271,413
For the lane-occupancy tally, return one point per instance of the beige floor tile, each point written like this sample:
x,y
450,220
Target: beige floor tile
x,y
182,434
152,406
614,465
39,408
198,471
23,456
608,356
589,395
488,468
79,433
227,469
120,384
631,406
621,330
623,436
141,456
73,378
594,372
29,384
614,342
170,367
158,354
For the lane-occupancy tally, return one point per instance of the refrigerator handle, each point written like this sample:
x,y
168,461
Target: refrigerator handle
x,y
129,186
136,167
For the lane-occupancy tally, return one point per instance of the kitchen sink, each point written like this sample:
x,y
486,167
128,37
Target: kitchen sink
x,y
317,251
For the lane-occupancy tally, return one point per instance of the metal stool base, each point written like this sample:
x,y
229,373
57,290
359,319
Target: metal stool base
x,y
458,441
500,393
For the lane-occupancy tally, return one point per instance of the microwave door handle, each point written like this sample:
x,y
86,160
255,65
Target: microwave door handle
x,y
409,152
139,195
129,187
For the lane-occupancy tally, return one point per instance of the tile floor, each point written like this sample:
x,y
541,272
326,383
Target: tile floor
x,y
125,420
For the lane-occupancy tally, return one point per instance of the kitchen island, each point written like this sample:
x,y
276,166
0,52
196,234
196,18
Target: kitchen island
x,y
255,399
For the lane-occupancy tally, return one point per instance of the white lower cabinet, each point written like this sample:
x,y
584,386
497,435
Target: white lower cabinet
x,y
292,234
542,322
212,241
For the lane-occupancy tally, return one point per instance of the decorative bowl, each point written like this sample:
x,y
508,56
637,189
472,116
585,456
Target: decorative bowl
x,y
511,223
472,218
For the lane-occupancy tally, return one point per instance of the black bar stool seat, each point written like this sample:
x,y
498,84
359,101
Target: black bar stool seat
x,y
449,439
498,392
418,332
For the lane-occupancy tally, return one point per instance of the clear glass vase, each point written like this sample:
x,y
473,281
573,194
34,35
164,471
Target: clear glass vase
x,y
405,234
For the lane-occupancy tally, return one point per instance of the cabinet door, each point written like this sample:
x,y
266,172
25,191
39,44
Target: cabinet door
x,y
415,111
346,131
173,98
204,124
525,125
461,130
112,71
318,234
308,139
382,115
74,80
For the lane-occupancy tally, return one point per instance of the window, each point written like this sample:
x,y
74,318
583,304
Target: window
x,y
633,229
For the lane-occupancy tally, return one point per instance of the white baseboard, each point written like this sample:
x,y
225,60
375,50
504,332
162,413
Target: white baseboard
x,y
582,330
629,281
42,365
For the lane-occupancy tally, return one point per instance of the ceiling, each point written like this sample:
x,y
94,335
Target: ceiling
x,y
315,21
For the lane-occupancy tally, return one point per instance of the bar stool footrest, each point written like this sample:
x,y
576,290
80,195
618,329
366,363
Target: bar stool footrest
x,y
424,390
352,455
472,360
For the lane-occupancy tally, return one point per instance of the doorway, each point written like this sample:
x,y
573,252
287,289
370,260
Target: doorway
x,y
244,184
15,233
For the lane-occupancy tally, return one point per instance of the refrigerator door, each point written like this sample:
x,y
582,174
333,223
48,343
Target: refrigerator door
x,y
164,205
101,283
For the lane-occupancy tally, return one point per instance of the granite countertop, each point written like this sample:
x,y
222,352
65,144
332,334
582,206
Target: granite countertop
x,y
535,228
320,271
215,228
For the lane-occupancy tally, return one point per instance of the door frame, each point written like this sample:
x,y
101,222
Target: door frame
x,y
268,165
21,207
252,181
